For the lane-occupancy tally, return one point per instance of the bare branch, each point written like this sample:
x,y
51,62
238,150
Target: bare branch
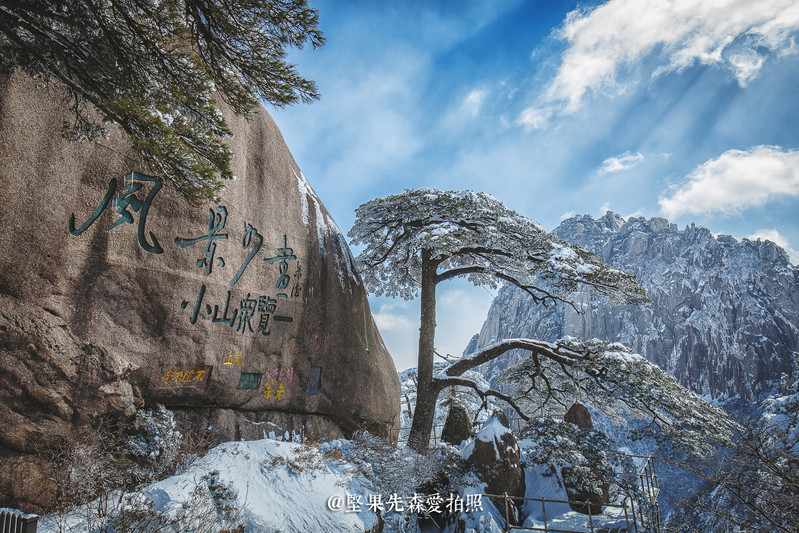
x,y
448,358
556,352
442,383
538,294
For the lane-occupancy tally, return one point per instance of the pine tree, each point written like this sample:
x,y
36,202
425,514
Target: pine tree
x,y
417,240
156,67
755,478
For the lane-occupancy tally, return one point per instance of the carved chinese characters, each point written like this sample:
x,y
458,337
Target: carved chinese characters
x,y
253,312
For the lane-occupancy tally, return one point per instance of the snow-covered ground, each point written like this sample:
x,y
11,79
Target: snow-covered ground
x,y
273,485
270,485
267,485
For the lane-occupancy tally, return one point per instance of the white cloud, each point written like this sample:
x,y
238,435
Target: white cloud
x,y
736,180
473,101
398,322
625,161
536,117
460,313
454,297
388,320
615,36
777,238
567,214
746,65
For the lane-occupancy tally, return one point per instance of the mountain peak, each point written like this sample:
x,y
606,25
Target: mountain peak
x,y
724,315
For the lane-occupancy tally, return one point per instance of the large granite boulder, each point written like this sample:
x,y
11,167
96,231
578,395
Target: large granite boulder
x,y
247,316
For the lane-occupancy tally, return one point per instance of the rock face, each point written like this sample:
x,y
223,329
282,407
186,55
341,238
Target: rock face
x,y
495,458
458,427
724,315
579,415
247,316
583,499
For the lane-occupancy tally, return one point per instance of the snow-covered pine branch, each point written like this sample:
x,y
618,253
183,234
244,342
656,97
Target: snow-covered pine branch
x,y
473,234
158,69
613,378
616,380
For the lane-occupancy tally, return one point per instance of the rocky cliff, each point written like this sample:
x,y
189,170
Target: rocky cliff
x,y
246,316
725,313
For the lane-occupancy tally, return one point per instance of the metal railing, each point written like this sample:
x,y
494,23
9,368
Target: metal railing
x,y
596,523
648,519
403,432
637,518
15,521
648,481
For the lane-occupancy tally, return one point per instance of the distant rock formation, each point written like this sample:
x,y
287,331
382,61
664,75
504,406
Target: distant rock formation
x,y
246,316
725,313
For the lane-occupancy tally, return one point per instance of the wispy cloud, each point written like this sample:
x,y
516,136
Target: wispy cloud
x,y
777,238
392,318
474,101
617,36
625,161
746,65
737,179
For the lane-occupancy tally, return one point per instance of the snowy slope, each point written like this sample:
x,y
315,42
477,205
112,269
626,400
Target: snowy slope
x,y
273,486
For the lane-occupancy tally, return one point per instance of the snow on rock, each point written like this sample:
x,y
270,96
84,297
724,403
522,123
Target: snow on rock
x,y
492,432
326,227
495,458
781,416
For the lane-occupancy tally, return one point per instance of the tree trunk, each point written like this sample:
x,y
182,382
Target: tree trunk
x,y
426,393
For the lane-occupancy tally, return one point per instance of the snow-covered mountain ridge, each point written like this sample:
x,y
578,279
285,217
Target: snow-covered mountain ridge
x,y
724,313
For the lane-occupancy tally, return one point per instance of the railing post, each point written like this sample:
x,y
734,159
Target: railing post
x,y
627,516
544,511
507,516
15,521
590,518
654,474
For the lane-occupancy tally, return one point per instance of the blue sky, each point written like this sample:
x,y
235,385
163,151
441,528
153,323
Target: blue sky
x,y
682,109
